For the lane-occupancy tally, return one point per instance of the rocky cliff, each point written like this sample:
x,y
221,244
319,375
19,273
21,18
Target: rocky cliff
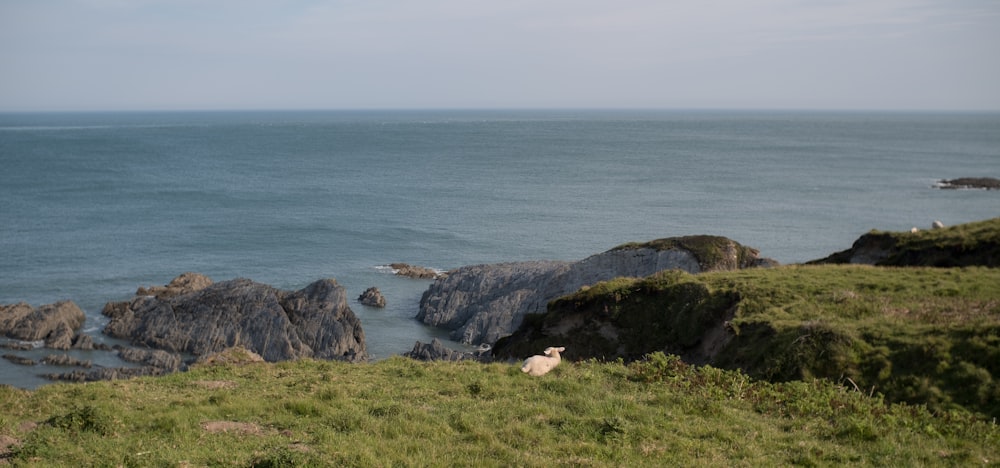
x,y
210,317
483,303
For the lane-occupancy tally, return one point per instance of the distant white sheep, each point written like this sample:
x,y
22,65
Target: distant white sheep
x,y
540,365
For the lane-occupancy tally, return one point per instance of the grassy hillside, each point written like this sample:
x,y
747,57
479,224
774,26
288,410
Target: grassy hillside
x,y
921,335
399,412
967,244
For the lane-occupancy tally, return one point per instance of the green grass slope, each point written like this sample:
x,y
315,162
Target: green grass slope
x,y
399,412
920,335
967,244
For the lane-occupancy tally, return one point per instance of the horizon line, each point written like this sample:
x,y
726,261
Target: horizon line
x,y
512,109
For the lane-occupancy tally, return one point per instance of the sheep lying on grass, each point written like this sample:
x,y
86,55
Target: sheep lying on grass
x,y
540,365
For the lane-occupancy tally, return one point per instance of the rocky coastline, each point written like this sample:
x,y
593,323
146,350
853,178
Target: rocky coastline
x,y
194,319
169,327
172,326
483,303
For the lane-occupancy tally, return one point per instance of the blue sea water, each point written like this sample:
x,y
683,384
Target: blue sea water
x,y
93,205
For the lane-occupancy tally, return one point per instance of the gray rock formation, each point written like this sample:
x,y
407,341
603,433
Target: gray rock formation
x,y
483,303
279,325
151,357
436,351
53,323
19,360
106,373
183,284
66,360
372,297
984,183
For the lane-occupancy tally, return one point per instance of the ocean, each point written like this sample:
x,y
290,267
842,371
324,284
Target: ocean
x,y
94,205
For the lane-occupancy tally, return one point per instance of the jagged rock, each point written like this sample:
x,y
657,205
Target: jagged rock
x,y
66,360
52,323
986,183
436,351
19,360
410,271
18,345
372,297
151,357
279,325
106,373
83,341
482,303
185,283
60,338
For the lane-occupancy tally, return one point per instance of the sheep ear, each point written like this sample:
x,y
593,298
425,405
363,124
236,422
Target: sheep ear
x,y
547,351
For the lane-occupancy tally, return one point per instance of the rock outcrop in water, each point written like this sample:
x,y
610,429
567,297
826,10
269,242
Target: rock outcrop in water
x,y
483,303
55,324
313,322
372,297
984,183
416,272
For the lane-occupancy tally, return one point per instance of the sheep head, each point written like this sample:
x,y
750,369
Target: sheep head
x,y
551,349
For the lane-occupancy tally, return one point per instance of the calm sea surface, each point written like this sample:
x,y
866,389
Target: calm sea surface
x,y
94,205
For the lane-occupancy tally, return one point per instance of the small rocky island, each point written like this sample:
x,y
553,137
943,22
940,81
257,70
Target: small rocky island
x,y
982,183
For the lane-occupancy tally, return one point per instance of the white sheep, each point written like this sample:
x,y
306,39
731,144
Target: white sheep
x,y
540,365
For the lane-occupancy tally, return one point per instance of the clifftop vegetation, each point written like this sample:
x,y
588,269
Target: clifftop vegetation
x,y
709,250
968,244
916,334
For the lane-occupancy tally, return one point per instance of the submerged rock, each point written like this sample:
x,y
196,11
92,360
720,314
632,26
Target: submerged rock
x,y
19,360
66,360
483,303
279,325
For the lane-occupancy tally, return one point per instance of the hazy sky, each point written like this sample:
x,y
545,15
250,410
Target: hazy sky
x,y
291,54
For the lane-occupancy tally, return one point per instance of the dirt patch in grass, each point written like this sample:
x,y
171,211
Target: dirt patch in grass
x,y
232,426
7,443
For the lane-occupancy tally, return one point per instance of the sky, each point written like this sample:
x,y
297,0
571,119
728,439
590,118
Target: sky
x,y
79,55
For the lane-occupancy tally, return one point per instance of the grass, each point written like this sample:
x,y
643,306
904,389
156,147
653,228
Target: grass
x,y
919,335
712,252
968,244
398,412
